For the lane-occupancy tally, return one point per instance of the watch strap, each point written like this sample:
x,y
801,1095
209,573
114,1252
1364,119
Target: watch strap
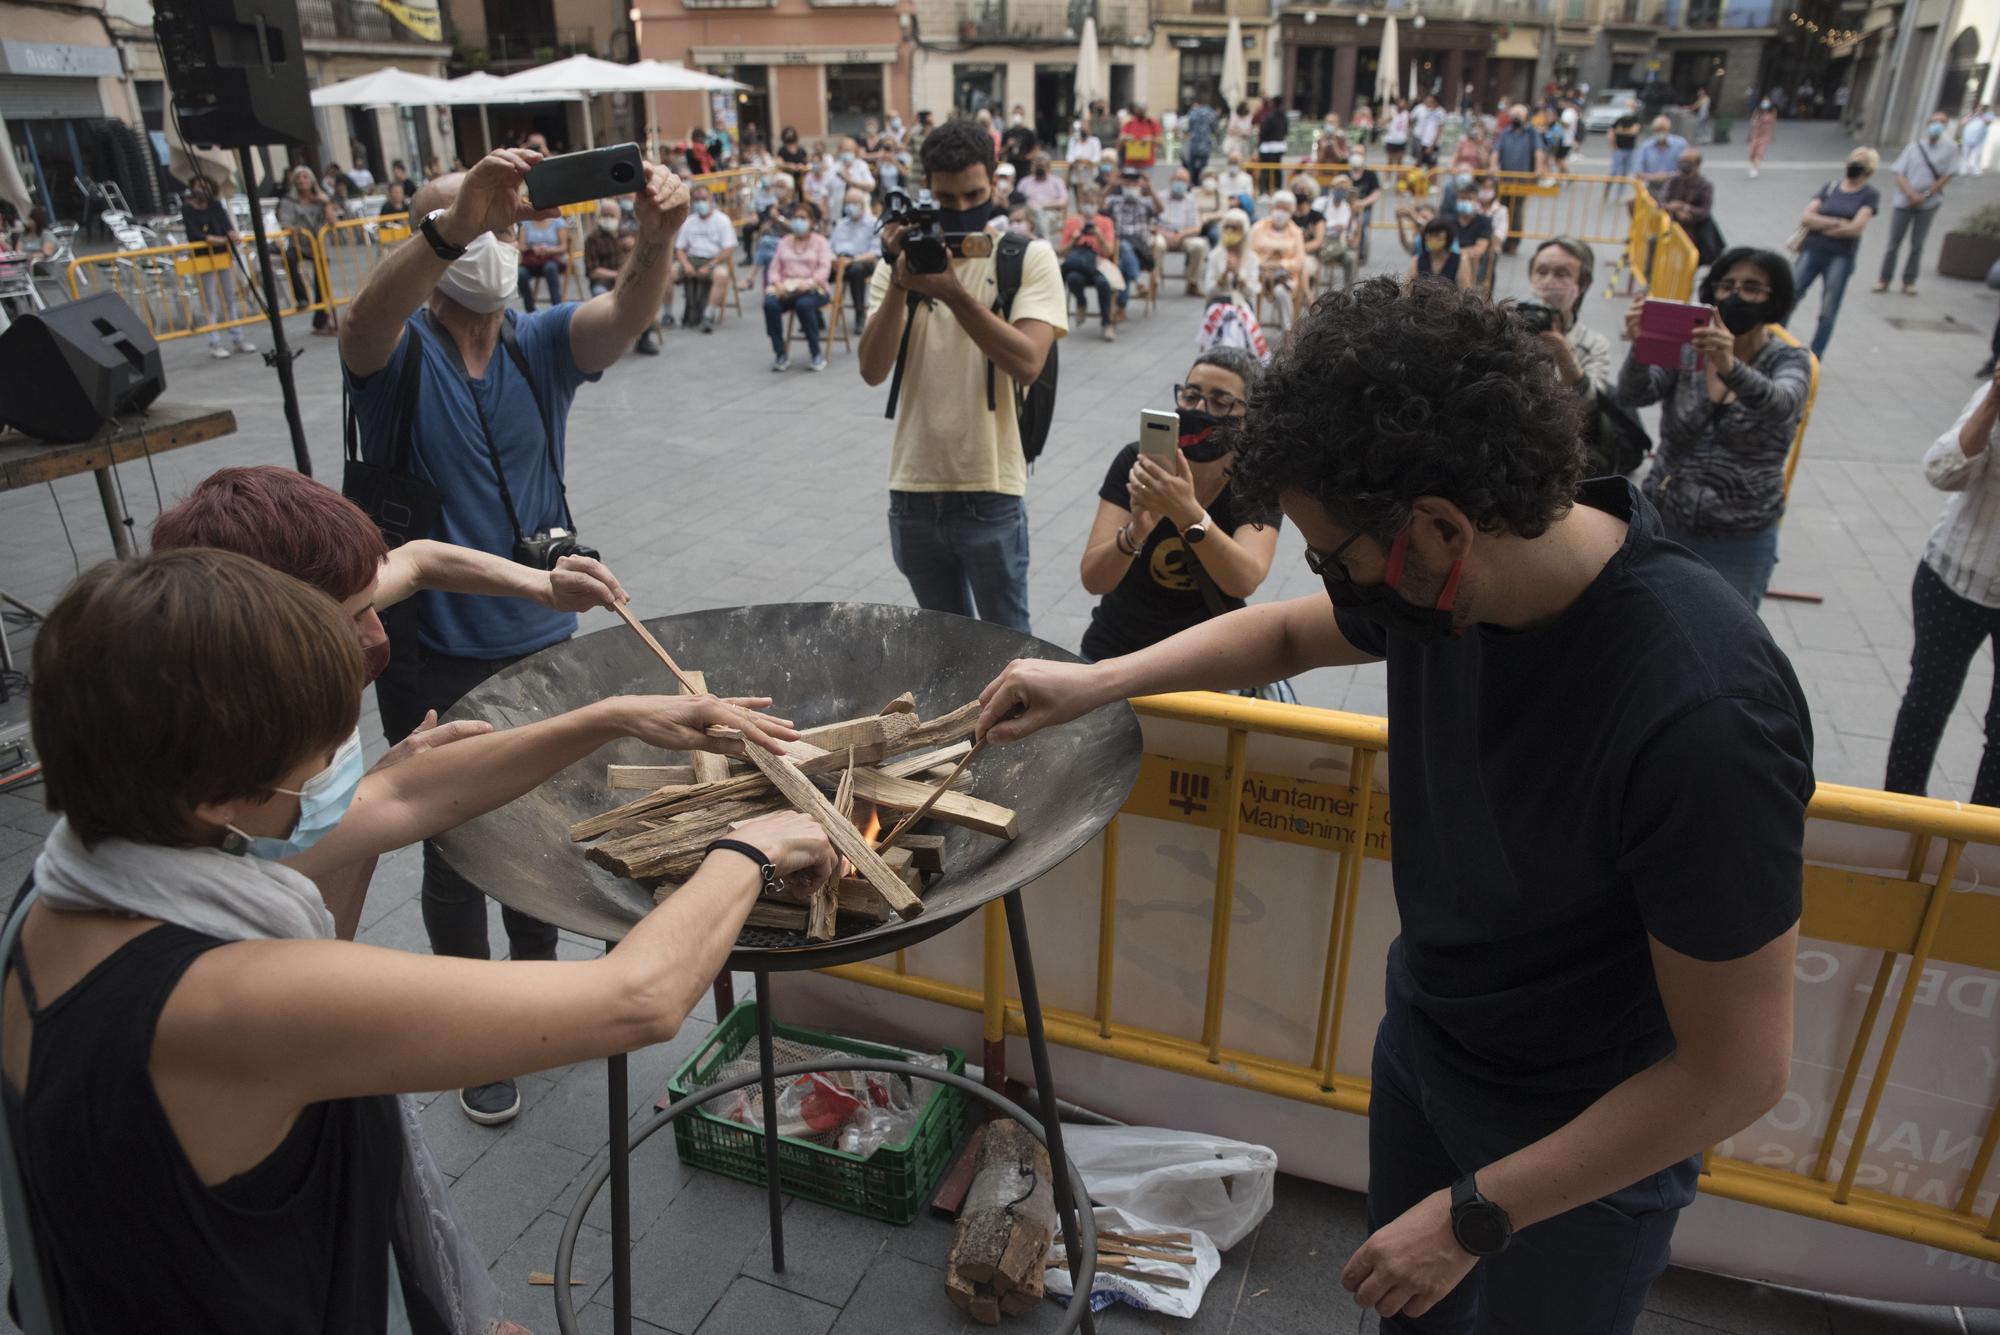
x,y
443,248
1464,1191
765,867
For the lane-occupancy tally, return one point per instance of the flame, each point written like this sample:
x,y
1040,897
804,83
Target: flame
x,y
871,828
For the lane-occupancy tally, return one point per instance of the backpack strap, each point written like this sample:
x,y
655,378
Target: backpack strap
x,y
32,1297
1008,259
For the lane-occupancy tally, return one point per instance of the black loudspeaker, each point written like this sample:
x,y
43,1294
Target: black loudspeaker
x,y
237,71
66,371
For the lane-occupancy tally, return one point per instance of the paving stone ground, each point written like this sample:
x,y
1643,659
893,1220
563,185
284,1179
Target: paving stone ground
x,y
708,481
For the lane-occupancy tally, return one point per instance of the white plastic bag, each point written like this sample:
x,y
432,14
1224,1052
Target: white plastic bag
x,y
1116,1286
1177,1179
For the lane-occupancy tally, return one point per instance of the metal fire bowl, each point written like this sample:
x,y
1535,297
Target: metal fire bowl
x,y
820,662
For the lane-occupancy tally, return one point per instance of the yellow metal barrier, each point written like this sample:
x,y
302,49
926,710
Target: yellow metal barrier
x,y
1784,335
1910,918
169,286
349,250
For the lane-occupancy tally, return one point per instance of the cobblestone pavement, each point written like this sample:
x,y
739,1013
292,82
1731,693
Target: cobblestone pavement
x,y
709,481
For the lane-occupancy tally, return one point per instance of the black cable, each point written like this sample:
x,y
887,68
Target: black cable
x,y
159,502
119,482
74,559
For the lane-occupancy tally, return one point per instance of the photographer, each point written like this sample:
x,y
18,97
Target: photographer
x,y
480,415
1559,275
957,474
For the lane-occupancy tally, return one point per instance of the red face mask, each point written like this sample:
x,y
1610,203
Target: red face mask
x,y
374,660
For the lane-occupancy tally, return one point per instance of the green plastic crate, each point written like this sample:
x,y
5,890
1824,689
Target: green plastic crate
x,y
891,1184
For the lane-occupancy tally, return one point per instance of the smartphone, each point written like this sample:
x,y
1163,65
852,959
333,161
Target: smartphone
x,y
1666,332
1159,436
593,174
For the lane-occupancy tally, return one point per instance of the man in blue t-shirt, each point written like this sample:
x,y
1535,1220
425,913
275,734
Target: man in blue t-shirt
x,y
491,440
1601,767
1517,151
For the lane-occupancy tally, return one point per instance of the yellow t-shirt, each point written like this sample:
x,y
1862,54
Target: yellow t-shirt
x,y
946,439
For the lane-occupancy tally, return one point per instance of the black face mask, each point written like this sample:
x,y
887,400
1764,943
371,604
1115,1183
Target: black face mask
x,y
1381,604
1516,122
1200,441
957,222
1855,171
1739,317
1041,173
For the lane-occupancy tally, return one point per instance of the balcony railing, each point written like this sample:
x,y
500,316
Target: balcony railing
x,y
1637,12
1035,22
507,52
1729,14
352,21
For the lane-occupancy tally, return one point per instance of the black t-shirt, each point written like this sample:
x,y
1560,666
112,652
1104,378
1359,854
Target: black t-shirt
x,y
1365,184
1625,132
1018,144
209,223
1275,127
1473,230
793,155
1158,597
1639,767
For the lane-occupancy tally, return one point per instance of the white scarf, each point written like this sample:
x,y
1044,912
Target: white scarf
x,y
239,898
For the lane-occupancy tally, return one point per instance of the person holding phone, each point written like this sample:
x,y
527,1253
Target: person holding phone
x,y
1718,475
1171,547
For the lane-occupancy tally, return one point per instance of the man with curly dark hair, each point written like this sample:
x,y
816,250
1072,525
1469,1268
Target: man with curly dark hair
x,y
1601,767
958,525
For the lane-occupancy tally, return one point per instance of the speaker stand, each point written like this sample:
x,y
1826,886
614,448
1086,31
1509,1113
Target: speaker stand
x,y
281,354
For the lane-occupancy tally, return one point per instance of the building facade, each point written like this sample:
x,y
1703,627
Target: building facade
x,y
1187,54
995,55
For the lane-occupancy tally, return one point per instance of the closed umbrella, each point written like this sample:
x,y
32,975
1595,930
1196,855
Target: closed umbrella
x,y
1235,82
1089,88
1387,62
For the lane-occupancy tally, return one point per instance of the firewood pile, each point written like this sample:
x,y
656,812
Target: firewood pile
x,y
850,776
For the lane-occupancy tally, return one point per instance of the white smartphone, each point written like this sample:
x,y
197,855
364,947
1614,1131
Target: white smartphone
x,y
1159,436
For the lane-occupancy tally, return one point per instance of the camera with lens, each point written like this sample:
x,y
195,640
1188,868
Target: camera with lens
x,y
923,235
550,546
1538,316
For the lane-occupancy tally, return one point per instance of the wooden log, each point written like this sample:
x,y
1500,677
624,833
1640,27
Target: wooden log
x,y
825,895
1024,1299
914,766
870,738
847,841
952,808
668,801
1009,1218
1145,1239
960,1292
986,1309
903,826
945,729
648,778
926,851
905,703
674,850
708,766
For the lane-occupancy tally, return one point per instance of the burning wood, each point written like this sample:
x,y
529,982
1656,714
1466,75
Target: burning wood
x,y
888,764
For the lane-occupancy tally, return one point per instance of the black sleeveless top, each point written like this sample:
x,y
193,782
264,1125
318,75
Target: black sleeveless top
x,y
131,1238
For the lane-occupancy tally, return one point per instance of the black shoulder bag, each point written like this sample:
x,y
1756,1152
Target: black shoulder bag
x,y
403,505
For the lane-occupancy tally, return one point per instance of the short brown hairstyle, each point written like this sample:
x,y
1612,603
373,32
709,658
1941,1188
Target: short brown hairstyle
x,y
181,678
291,523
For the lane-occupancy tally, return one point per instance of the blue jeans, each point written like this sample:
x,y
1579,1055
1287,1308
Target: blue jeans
x,y
1833,269
963,549
1621,161
1586,1269
1744,560
1079,279
1128,264
807,305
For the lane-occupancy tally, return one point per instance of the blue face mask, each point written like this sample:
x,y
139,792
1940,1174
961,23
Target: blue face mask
x,y
701,208
323,800
800,226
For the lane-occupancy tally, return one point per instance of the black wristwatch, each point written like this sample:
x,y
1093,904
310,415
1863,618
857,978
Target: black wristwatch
x,y
765,867
1480,1226
445,250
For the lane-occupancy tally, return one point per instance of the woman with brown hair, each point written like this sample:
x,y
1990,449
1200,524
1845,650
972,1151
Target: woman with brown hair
x,y
303,209
198,1074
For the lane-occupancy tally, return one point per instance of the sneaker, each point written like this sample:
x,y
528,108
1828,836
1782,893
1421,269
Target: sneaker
x,y
245,345
818,363
490,1105
1753,173
1110,334
1909,289
218,352
1879,287
648,344
781,362
708,323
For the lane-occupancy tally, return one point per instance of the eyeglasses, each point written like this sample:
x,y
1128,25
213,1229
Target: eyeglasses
x,y
1729,287
1220,402
1329,566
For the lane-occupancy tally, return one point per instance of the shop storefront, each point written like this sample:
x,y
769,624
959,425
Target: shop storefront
x,y
69,120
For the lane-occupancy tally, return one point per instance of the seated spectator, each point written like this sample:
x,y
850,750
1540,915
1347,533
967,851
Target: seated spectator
x,y
1281,256
544,246
1312,230
1088,244
1718,474
1082,154
1135,213
1472,239
1232,271
1437,257
1209,200
395,199
797,282
821,187
1237,186
1181,229
704,245
856,238
1006,192
1339,246
604,250
1171,548
772,226
853,170
1367,194
1044,192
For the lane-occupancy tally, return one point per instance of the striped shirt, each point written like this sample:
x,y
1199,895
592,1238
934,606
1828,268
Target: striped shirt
x,y
1964,549
1720,467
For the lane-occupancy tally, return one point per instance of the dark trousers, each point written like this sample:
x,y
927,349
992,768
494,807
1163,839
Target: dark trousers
x,y
1917,224
806,304
1517,206
1949,631
1586,1270
963,550
551,273
294,263
859,272
454,908
1079,279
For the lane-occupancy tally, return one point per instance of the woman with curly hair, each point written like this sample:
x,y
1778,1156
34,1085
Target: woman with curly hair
x,y
1718,476
1601,768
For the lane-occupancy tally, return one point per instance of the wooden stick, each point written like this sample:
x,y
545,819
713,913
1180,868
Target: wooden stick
x,y
1143,1254
803,794
909,767
1144,1239
826,895
903,826
953,808
659,650
647,778
708,766
1129,1269
946,728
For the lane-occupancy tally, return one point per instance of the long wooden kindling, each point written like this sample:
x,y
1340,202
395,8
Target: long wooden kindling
x,y
923,808
803,794
825,896
659,650
952,808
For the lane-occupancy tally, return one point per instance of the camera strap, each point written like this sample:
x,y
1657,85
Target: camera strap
x,y
902,353
512,344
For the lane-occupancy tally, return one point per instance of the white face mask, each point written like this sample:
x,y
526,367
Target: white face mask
x,y
483,277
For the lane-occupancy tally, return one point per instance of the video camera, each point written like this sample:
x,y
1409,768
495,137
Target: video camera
x,y
1537,315
924,240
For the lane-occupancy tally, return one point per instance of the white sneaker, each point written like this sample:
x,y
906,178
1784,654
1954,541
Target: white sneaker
x,y
1753,173
245,345
219,352
818,363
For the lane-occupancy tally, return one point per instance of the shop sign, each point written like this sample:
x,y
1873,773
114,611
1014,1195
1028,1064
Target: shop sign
x,y
60,59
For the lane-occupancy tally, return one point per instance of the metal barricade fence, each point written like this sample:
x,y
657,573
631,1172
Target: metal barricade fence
x,y
349,250
184,288
1912,918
